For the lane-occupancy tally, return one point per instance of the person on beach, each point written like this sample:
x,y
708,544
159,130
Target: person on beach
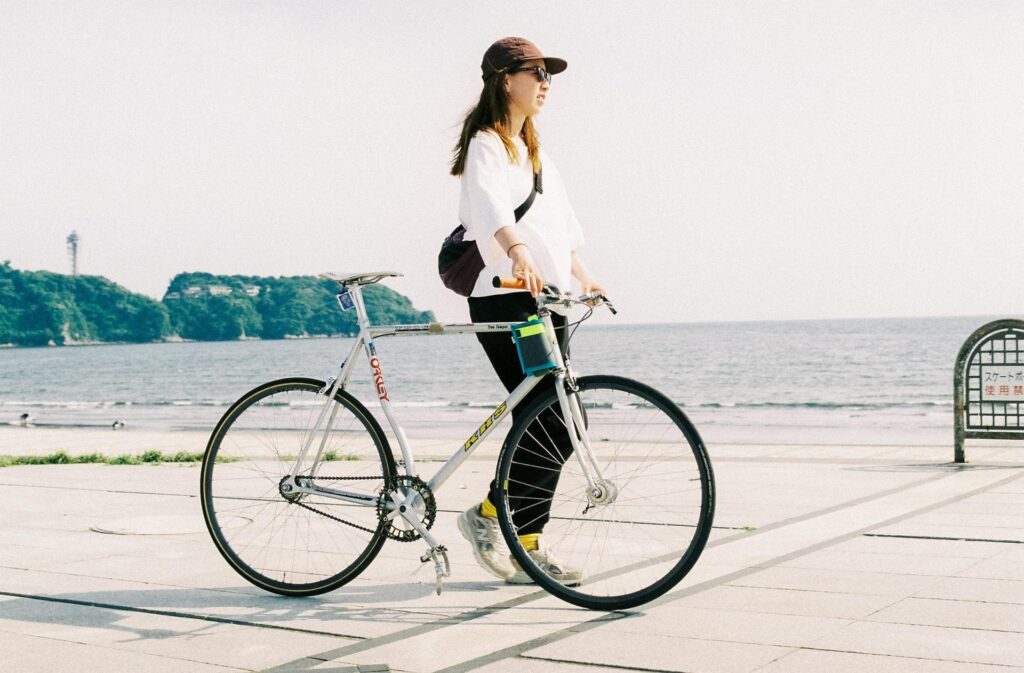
x,y
496,157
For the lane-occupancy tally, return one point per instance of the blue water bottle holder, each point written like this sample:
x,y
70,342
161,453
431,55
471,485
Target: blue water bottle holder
x,y
533,347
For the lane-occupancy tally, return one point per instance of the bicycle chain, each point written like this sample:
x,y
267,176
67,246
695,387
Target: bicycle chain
x,y
331,516
390,485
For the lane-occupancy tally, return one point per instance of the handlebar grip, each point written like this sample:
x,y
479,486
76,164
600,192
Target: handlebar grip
x,y
508,283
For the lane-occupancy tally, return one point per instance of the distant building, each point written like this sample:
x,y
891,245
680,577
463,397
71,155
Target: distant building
x,y
173,295
252,290
218,290
193,291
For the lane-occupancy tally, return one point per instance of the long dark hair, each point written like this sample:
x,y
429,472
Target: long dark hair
x,y
492,113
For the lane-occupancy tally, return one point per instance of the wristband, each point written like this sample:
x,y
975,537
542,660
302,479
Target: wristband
x,y
513,246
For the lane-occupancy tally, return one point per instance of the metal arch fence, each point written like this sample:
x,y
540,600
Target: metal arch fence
x,y
988,385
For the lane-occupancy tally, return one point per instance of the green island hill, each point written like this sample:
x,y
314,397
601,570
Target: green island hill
x,y
39,308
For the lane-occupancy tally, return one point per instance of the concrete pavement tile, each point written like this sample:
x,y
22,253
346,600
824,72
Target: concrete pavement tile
x,y
976,589
910,564
53,582
708,569
816,661
83,541
867,544
360,609
87,623
845,581
674,620
238,646
1001,496
954,516
928,642
925,530
30,654
787,602
524,664
753,516
204,641
980,505
442,648
329,613
661,653
131,568
48,521
1008,565
962,614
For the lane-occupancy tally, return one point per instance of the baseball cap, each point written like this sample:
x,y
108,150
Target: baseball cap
x,y
510,50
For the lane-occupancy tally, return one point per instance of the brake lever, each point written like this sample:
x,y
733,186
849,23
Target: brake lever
x,y
595,299
607,303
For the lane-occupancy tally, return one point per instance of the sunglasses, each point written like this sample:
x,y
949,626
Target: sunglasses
x,y
541,74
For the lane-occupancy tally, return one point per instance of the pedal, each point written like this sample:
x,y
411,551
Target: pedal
x,y
442,568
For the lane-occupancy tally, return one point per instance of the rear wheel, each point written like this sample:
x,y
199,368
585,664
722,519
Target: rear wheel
x,y
635,534
284,542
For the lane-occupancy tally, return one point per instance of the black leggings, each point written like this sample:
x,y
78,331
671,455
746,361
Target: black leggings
x,y
534,476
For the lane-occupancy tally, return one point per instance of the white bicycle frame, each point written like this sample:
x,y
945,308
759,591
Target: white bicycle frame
x,y
562,372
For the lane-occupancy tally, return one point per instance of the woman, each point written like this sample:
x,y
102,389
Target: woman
x,y
497,157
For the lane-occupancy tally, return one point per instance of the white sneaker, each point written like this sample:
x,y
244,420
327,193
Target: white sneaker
x,y
483,533
570,577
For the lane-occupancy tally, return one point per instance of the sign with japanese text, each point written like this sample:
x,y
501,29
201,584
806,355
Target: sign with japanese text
x,y
1002,383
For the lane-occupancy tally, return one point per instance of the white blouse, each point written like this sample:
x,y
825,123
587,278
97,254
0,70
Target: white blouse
x,y
492,188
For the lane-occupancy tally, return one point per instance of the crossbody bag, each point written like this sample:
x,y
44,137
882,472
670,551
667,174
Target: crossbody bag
x,y
459,262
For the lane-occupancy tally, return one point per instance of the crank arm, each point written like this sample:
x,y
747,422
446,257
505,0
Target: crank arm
x,y
442,567
410,516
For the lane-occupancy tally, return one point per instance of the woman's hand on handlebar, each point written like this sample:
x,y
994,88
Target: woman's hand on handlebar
x,y
524,269
552,295
590,286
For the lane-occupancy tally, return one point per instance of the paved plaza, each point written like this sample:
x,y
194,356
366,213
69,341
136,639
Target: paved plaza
x,y
823,558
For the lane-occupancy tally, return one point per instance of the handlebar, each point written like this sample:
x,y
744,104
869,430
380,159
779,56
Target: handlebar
x,y
551,294
509,283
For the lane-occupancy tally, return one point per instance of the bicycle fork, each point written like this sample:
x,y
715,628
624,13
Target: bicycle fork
x,y
600,491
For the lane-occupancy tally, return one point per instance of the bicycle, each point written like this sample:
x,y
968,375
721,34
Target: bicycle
x,y
300,488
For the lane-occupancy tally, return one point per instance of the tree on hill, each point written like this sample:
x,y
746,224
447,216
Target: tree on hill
x,y
209,307
39,307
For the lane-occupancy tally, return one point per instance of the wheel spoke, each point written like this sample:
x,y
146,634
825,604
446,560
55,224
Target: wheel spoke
x,y
645,536
279,545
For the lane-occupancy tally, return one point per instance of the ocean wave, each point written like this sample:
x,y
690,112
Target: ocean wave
x,y
46,424
936,405
474,405
56,404
106,404
436,404
862,406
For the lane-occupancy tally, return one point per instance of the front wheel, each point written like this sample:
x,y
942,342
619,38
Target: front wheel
x,y
625,538
280,540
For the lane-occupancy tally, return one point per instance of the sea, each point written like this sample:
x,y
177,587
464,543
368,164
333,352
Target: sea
x,y
866,381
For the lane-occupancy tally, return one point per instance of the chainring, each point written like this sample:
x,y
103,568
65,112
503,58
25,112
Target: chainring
x,y
402,484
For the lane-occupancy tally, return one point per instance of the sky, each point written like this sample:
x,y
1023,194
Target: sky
x,y
727,160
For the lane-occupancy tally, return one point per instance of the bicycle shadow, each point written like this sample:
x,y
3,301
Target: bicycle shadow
x,y
200,610
338,613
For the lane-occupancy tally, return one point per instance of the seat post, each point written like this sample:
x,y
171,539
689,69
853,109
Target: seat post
x,y
356,292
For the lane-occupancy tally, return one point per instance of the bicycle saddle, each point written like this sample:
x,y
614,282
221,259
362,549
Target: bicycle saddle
x,y
365,278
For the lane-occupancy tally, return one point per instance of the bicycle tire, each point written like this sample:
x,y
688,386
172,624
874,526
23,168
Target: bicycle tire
x,y
272,542
642,543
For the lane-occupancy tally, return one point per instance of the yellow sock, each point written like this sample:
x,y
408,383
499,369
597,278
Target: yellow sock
x,y
530,542
487,509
